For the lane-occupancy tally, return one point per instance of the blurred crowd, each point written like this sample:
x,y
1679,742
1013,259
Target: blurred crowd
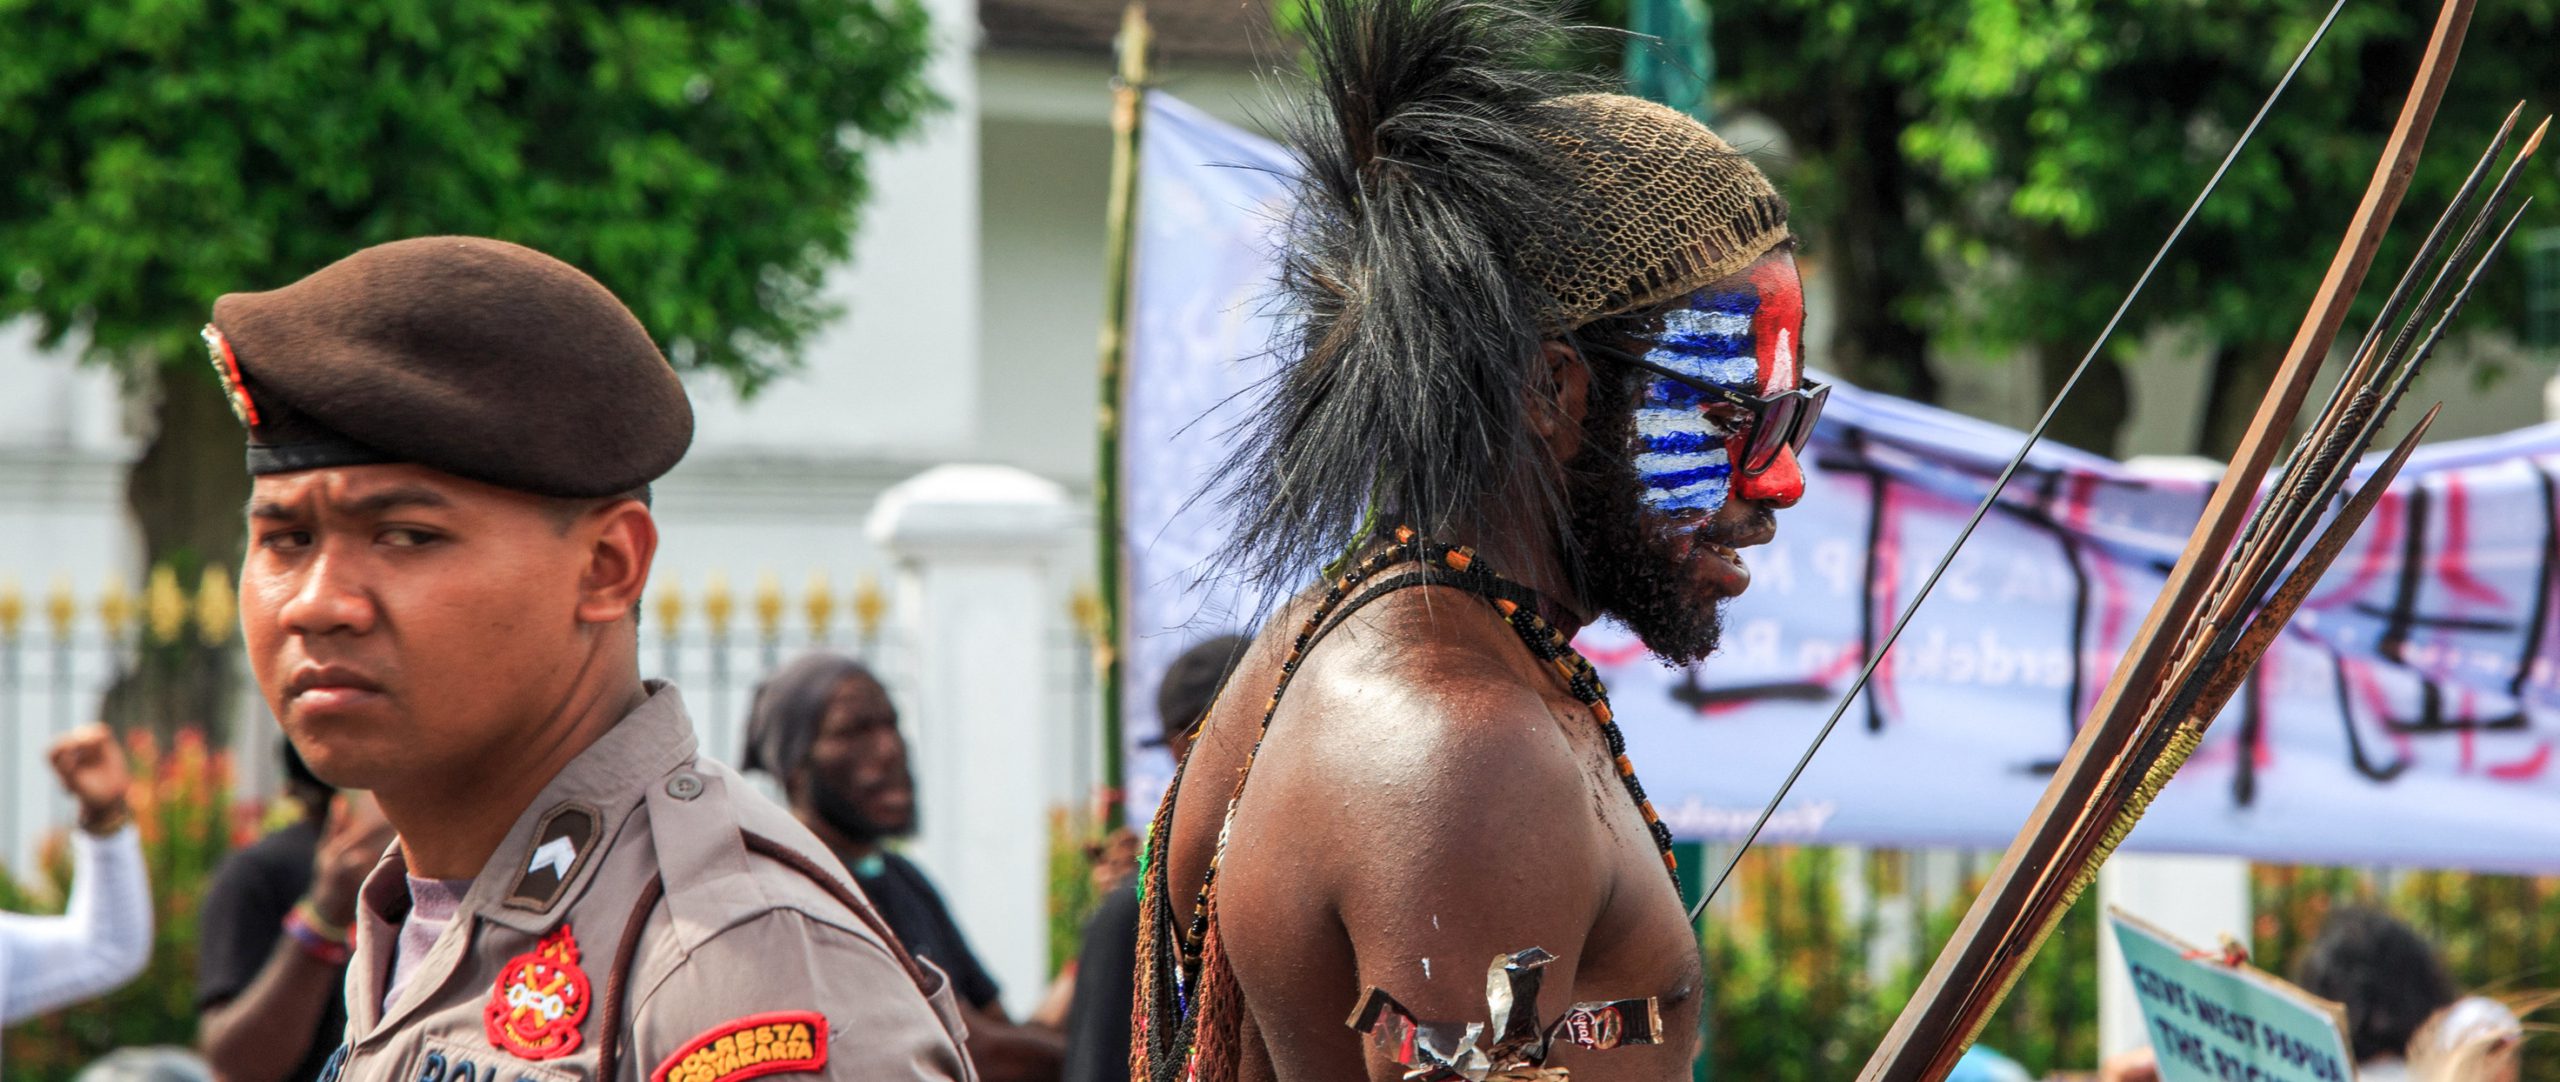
x,y
275,930
273,949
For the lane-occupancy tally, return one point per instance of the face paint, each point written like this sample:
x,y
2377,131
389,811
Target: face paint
x,y
1684,458
1743,339
1776,330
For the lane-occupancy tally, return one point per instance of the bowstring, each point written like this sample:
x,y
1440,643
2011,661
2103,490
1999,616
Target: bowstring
x,y
2015,461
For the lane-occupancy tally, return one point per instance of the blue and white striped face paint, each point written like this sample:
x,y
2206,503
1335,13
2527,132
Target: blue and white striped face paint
x,y
1683,458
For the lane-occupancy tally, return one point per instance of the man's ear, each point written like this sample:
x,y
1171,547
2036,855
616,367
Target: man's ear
x,y
1560,399
624,544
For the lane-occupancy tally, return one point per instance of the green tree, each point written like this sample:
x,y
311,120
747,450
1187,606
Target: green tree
x,y
702,158
1990,175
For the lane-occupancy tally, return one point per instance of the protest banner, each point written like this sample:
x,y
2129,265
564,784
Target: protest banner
x,y
2213,1021
2407,716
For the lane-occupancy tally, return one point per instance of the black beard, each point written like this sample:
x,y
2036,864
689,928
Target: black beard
x,y
847,816
1627,568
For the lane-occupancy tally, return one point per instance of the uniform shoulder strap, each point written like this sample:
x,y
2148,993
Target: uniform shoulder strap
x,y
843,892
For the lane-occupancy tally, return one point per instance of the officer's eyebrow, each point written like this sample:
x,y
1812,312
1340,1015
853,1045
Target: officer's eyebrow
x,y
393,499
368,506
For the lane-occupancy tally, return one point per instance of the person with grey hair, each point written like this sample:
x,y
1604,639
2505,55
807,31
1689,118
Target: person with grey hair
x,y
823,728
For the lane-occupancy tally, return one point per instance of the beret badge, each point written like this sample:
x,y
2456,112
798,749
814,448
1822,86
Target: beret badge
x,y
227,367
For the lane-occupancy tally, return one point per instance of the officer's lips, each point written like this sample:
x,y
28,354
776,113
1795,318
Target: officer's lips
x,y
329,687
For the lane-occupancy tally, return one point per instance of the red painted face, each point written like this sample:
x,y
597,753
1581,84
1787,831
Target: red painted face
x,y
1777,335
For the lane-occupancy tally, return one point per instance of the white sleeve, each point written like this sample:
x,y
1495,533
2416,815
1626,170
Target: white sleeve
x,y
102,939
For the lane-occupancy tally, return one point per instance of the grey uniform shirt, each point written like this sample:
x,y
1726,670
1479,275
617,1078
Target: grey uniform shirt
x,y
647,917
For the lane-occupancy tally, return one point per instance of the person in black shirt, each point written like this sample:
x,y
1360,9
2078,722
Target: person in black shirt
x,y
272,951
1107,963
824,727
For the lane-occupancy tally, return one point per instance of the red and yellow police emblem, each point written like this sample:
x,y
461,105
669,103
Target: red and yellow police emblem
x,y
540,998
776,1042
226,367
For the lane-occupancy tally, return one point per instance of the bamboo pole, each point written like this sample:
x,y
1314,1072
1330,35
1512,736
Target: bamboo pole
x,y
1128,111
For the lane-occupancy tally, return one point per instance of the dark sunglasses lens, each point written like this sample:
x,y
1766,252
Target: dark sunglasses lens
x,y
1769,434
1811,416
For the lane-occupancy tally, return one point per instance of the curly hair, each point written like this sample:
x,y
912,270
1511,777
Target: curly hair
x,y
2389,977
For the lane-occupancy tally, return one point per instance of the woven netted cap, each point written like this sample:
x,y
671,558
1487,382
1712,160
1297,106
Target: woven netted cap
x,y
1659,207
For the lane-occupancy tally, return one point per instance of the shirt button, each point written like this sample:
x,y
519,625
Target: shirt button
x,y
684,786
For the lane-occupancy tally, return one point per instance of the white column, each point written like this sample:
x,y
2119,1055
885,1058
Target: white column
x,y
975,602
2197,899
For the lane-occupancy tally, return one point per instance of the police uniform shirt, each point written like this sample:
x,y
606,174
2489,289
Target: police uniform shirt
x,y
647,917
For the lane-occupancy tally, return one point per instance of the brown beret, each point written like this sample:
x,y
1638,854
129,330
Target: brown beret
x,y
477,357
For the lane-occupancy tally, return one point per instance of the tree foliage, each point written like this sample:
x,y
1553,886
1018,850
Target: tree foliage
x,y
2037,152
702,158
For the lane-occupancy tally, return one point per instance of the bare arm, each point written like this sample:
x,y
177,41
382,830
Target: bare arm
x,y
1404,845
1007,1051
262,1034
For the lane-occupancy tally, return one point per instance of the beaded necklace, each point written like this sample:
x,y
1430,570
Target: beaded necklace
x,y
1466,571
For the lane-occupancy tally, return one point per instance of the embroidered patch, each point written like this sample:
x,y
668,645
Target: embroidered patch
x,y
750,1047
540,998
561,842
227,367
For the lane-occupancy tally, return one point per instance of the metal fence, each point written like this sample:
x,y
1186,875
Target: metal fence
x,y
60,653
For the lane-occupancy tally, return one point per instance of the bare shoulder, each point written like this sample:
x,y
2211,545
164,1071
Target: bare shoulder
x,y
1436,692
1424,802
1422,735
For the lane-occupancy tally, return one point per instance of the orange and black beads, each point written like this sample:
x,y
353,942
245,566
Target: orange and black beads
x,y
1196,936
1551,646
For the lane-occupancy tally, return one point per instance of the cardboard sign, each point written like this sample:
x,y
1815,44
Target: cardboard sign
x,y
2213,1022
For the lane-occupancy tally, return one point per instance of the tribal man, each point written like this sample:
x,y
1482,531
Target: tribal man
x,y
1545,370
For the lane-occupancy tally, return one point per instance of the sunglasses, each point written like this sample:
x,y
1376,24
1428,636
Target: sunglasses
x,y
1781,421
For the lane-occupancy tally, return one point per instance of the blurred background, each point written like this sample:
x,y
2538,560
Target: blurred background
x,y
874,236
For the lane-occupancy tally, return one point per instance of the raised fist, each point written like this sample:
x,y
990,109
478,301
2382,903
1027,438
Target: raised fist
x,y
92,768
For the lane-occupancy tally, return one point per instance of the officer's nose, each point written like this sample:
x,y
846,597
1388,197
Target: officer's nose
x,y
1781,485
328,600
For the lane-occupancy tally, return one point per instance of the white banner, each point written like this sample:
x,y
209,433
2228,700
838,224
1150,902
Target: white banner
x,y
2406,717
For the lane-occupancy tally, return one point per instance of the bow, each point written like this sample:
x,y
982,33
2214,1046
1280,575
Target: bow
x,y
2222,605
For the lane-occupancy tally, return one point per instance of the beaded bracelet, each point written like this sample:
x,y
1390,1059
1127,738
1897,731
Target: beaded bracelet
x,y
313,942
328,929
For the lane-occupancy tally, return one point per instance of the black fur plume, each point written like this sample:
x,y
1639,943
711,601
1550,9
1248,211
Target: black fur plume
x,y
1415,336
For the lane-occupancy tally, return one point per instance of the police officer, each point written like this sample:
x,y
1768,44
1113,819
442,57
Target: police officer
x,y
451,440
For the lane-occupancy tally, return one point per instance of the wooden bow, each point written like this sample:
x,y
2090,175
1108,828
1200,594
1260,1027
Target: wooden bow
x,y
2222,606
